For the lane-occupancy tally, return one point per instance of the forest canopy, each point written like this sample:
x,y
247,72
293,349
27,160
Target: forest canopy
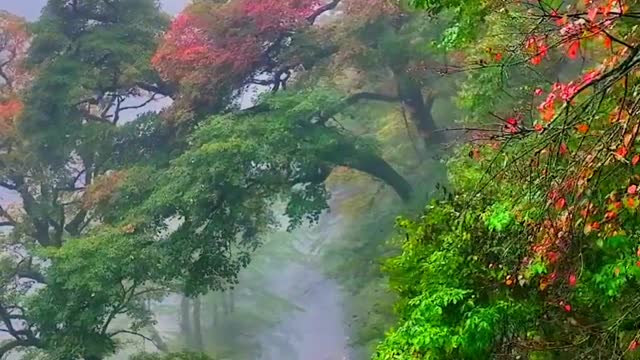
x,y
529,249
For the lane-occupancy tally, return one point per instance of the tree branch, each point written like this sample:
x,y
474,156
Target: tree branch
x,y
321,10
354,98
162,89
115,333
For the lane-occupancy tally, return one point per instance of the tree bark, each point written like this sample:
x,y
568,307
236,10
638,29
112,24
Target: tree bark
x,y
197,326
419,108
185,318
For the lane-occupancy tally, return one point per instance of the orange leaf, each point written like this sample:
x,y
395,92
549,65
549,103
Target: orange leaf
x,y
631,203
582,128
539,128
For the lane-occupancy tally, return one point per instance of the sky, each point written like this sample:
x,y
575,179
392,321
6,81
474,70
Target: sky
x,y
30,9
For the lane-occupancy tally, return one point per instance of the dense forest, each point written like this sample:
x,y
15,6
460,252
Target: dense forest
x,y
464,173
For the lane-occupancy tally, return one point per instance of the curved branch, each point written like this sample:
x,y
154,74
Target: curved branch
x,y
8,346
321,10
351,156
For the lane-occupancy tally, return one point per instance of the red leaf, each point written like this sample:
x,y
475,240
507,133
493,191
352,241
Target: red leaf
x,y
592,13
538,127
499,57
561,203
563,149
572,280
536,60
607,42
574,50
632,190
622,152
633,345
567,308
610,215
635,160
537,92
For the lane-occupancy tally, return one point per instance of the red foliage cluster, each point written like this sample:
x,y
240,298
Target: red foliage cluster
x,y
10,110
14,42
583,143
225,43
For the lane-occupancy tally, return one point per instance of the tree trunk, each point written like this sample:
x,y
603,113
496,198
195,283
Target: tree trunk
x,y
197,327
157,340
214,311
185,319
418,108
372,164
226,308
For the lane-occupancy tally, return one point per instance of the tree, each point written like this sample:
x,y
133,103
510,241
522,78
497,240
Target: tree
x,y
561,257
217,50
84,55
14,39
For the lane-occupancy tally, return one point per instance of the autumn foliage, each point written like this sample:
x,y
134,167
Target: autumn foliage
x,y
221,45
14,42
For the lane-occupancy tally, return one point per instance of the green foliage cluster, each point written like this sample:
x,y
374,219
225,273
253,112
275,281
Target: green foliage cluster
x,y
472,281
453,305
